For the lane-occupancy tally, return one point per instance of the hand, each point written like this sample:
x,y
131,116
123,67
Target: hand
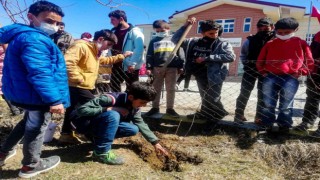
x,y
127,53
159,149
148,72
58,109
190,21
180,71
200,60
131,69
124,112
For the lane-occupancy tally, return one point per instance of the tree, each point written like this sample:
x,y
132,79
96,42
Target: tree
x,y
17,10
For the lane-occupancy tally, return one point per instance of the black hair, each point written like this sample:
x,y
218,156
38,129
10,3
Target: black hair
x,y
43,6
142,90
209,25
107,35
118,14
62,24
287,23
160,24
264,22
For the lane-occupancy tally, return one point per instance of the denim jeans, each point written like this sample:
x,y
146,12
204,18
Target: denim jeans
x,y
249,79
32,127
104,128
284,88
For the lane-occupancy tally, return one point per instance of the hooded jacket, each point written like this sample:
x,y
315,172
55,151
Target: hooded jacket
x,y
34,73
133,41
83,64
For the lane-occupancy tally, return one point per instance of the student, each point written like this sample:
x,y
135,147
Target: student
x,y
281,62
249,54
34,78
206,58
116,115
82,65
311,107
158,53
86,36
62,38
129,39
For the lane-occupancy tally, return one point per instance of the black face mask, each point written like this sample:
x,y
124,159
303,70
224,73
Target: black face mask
x,y
264,34
209,39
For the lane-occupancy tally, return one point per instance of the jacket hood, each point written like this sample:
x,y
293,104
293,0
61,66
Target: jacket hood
x,y
90,45
8,32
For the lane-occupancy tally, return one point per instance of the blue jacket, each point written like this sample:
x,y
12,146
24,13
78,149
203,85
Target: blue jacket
x,y
34,73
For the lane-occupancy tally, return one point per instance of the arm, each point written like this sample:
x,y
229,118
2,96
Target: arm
x,y
244,51
182,58
149,56
136,57
96,106
308,63
144,129
226,56
72,57
111,59
262,60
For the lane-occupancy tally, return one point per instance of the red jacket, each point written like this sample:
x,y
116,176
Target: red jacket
x,y
292,56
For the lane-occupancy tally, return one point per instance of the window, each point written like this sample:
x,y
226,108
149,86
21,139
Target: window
x,y
227,24
247,25
309,38
198,29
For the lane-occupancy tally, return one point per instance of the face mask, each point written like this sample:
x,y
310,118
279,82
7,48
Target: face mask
x,y
99,45
264,33
286,37
162,34
47,28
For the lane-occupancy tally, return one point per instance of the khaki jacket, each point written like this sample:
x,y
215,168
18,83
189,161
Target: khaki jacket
x,y
83,64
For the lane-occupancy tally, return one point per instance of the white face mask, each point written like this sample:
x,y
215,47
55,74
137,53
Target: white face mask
x,y
162,34
99,45
47,28
286,37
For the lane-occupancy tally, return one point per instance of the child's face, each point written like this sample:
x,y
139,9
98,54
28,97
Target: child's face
x,y
213,34
47,17
265,28
105,44
137,103
284,32
160,30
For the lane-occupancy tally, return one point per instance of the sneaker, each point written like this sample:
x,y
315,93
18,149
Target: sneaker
x,y
72,138
302,127
239,119
172,113
316,134
108,158
44,165
197,115
5,156
152,111
219,116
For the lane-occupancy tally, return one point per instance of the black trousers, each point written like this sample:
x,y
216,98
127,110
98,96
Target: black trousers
x,y
311,107
78,97
119,75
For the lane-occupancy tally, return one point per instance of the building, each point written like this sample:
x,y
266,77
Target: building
x,y
239,19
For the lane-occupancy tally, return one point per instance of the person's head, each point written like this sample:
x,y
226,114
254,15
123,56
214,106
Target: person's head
x,y
61,27
286,27
161,27
45,16
117,18
105,39
140,93
86,36
265,25
210,29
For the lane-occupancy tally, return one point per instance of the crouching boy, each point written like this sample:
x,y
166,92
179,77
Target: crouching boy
x,y
115,115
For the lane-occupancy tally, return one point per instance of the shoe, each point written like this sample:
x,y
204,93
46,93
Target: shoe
x,y
239,119
108,158
221,115
172,113
302,127
197,115
152,111
5,156
315,134
72,138
45,164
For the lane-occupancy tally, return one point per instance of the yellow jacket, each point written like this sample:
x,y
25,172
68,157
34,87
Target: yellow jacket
x,y
83,64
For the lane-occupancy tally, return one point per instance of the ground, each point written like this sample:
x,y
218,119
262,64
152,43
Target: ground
x,y
222,153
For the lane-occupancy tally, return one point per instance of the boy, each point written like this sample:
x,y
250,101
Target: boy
x,y
206,58
311,107
82,66
281,62
34,78
108,116
130,38
62,38
249,54
158,53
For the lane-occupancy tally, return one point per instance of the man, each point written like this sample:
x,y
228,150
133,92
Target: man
x,y
62,39
34,78
129,39
249,54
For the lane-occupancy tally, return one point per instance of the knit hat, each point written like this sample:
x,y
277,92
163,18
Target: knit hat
x,y
264,22
86,35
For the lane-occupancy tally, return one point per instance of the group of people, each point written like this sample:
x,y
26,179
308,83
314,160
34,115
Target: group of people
x,y
46,71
